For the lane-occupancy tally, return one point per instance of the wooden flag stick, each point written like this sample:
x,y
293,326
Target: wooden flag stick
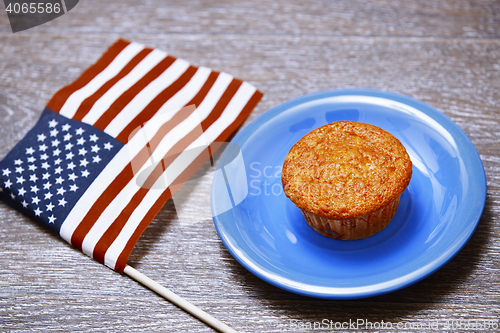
x,y
179,301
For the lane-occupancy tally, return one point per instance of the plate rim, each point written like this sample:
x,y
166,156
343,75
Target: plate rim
x,y
420,272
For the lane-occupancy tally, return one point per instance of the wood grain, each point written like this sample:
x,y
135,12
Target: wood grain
x,y
445,53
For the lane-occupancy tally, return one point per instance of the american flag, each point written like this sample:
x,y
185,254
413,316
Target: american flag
x,y
111,148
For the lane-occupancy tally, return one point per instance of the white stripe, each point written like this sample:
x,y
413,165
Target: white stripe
x,y
142,100
233,109
125,83
121,60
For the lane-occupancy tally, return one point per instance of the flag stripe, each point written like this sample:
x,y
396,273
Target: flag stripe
x,y
57,101
90,101
75,99
114,110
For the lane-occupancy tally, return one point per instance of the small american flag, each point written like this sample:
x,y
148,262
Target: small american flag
x,y
110,149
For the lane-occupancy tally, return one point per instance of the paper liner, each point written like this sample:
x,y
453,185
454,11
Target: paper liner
x,y
355,228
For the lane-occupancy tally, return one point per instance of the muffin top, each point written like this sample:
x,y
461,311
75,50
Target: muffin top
x,y
346,169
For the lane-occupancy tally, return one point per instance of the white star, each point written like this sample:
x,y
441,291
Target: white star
x,y
6,172
46,176
67,137
52,123
95,148
72,177
56,152
38,211
55,143
82,151
70,155
58,161
22,191
47,186
43,147
52,219
93,138
44,157
30,150
73,188
84,163
34,189
31,159
36,200
33,178
96,159
68,146
20,180
8,183
41,137
66,127
50,206
19,169
62,202
32,167
108,146
13,196
24,203
48,196
80,141
59,180
71,166
80,131
45,165
54,132
85,173
58,170
18,162
61,191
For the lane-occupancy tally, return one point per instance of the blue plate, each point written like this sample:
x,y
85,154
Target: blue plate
x,y
268,235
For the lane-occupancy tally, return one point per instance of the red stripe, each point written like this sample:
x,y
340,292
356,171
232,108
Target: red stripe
x,y
122,101
89,102
60,97
153,107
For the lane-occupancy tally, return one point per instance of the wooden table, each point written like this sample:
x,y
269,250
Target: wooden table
x,y
445,53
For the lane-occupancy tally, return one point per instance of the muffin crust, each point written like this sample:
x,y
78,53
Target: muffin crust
x,y
345,170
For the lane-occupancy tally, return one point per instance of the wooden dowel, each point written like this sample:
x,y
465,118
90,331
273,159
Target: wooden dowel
x,y
179,301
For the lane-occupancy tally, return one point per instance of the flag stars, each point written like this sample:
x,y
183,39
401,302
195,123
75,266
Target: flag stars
x,y
79,131
93,138
73,188
67,137
19,169
58,161
53,123
45,165
81,141
13,196
25,204
22,192
41,137
33,178
7,184
58,170
85,173
30,151
59,180
50,206
55,143
71,166
32,167
35,200
54,132
96,159
43,147
108,146
52,219
18,162
38,211
70,155
84,163
44,157
31,159
66,127
62,202
35,189
20,180
82,151
56,152
68,146
46,176
72,177
6,172
95,148
47,186
61,191
48,196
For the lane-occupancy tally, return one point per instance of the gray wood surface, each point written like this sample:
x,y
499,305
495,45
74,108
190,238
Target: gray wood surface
x,y
445,53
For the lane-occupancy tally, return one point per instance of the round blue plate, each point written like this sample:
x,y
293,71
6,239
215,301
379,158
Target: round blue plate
x,y
268,235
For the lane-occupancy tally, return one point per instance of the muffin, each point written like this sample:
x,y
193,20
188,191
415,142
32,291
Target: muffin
x,y
347,177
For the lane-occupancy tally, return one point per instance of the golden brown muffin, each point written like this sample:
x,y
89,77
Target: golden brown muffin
x,y
347,178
